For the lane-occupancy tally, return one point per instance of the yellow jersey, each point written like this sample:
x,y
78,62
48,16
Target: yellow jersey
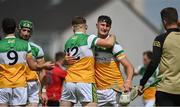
x,y
81,46
107,69
13,53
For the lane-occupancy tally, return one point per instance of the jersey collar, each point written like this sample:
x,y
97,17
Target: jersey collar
x,y
173,29
10,37
79,33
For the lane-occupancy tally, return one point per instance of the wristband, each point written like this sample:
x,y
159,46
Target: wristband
x,y
43,90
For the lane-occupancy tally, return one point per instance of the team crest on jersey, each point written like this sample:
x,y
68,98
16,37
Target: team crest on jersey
x,y
157,44
103,59
74,37
11,41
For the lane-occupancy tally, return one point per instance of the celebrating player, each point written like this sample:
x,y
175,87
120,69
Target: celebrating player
x,y
79,82
107,71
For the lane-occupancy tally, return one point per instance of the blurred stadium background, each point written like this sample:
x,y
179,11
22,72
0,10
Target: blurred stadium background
x,y
135,22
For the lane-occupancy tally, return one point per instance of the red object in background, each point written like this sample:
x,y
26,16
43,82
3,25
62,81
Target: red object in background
x,y
54,82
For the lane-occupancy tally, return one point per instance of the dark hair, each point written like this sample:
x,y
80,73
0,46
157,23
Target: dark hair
x,y
78,20
59,56
148,53
8,25
104,18
170,15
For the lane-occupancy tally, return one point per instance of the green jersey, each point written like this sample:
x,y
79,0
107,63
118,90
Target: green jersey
x,y
81,46
13,53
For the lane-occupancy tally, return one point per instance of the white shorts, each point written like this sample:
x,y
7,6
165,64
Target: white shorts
x,y
107,97
33,91
13,96
82,92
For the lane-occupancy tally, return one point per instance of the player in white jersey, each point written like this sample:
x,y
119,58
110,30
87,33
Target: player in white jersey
x,y
15,54
79,82
25,32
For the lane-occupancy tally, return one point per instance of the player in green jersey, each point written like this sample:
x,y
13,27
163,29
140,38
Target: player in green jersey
x,y
25,32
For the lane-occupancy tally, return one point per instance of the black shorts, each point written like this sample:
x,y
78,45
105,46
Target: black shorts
x,y
167,99
53,103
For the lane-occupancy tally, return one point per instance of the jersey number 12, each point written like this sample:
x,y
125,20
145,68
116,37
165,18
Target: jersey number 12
x,y
74,52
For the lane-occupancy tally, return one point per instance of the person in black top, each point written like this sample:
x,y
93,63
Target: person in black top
x,y
166,54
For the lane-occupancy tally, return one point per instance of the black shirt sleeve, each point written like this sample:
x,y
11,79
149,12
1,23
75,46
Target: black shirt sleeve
x,y
157,52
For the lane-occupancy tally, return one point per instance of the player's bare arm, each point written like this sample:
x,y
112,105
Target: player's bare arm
x,y
129,70
109,42
35,66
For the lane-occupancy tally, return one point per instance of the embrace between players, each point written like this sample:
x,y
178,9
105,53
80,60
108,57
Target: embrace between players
x,y
95,59
92,63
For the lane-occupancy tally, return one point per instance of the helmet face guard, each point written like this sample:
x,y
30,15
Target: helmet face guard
x,y
26,24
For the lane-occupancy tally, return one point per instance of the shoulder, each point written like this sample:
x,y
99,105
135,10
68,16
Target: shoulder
x,y
32,44
159,40
21,40
57,69
161,36
117,47
22,43
70,39
91,35
116,44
